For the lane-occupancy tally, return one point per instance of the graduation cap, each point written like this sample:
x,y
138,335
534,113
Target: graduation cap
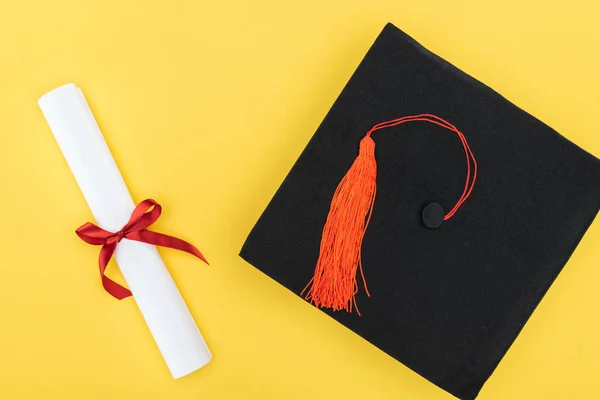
x,y
428,214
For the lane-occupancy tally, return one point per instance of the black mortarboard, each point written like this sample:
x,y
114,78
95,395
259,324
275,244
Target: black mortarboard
x,y
448,296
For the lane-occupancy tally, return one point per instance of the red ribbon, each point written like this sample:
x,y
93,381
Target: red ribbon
x,y
144,215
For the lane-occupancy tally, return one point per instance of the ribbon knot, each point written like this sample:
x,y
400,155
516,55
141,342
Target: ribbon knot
x,y
120,235
144,215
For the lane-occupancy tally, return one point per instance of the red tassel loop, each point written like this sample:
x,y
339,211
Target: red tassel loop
x,y
334,283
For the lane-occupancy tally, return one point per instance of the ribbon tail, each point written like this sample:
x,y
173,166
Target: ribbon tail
x,y
162,240
112,287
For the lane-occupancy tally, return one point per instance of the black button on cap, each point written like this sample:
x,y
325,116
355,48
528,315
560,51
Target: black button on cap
x,y
433,215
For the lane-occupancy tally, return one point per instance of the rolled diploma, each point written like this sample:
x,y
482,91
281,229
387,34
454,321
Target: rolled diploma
x,y
98,177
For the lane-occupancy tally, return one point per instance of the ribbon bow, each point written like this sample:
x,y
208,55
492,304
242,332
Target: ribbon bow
x,y
144,215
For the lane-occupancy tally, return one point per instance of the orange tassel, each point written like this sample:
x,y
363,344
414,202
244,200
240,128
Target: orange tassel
x,y
334,282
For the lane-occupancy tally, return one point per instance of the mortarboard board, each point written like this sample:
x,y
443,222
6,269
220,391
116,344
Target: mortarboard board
x,y
428,214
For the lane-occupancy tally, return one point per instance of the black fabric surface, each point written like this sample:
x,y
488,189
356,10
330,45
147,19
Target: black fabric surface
x,y
446,302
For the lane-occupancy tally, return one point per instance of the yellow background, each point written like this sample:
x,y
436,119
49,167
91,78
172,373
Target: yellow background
x,y
206,105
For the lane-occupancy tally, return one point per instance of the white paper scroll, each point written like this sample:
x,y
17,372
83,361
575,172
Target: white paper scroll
x,y
153,289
